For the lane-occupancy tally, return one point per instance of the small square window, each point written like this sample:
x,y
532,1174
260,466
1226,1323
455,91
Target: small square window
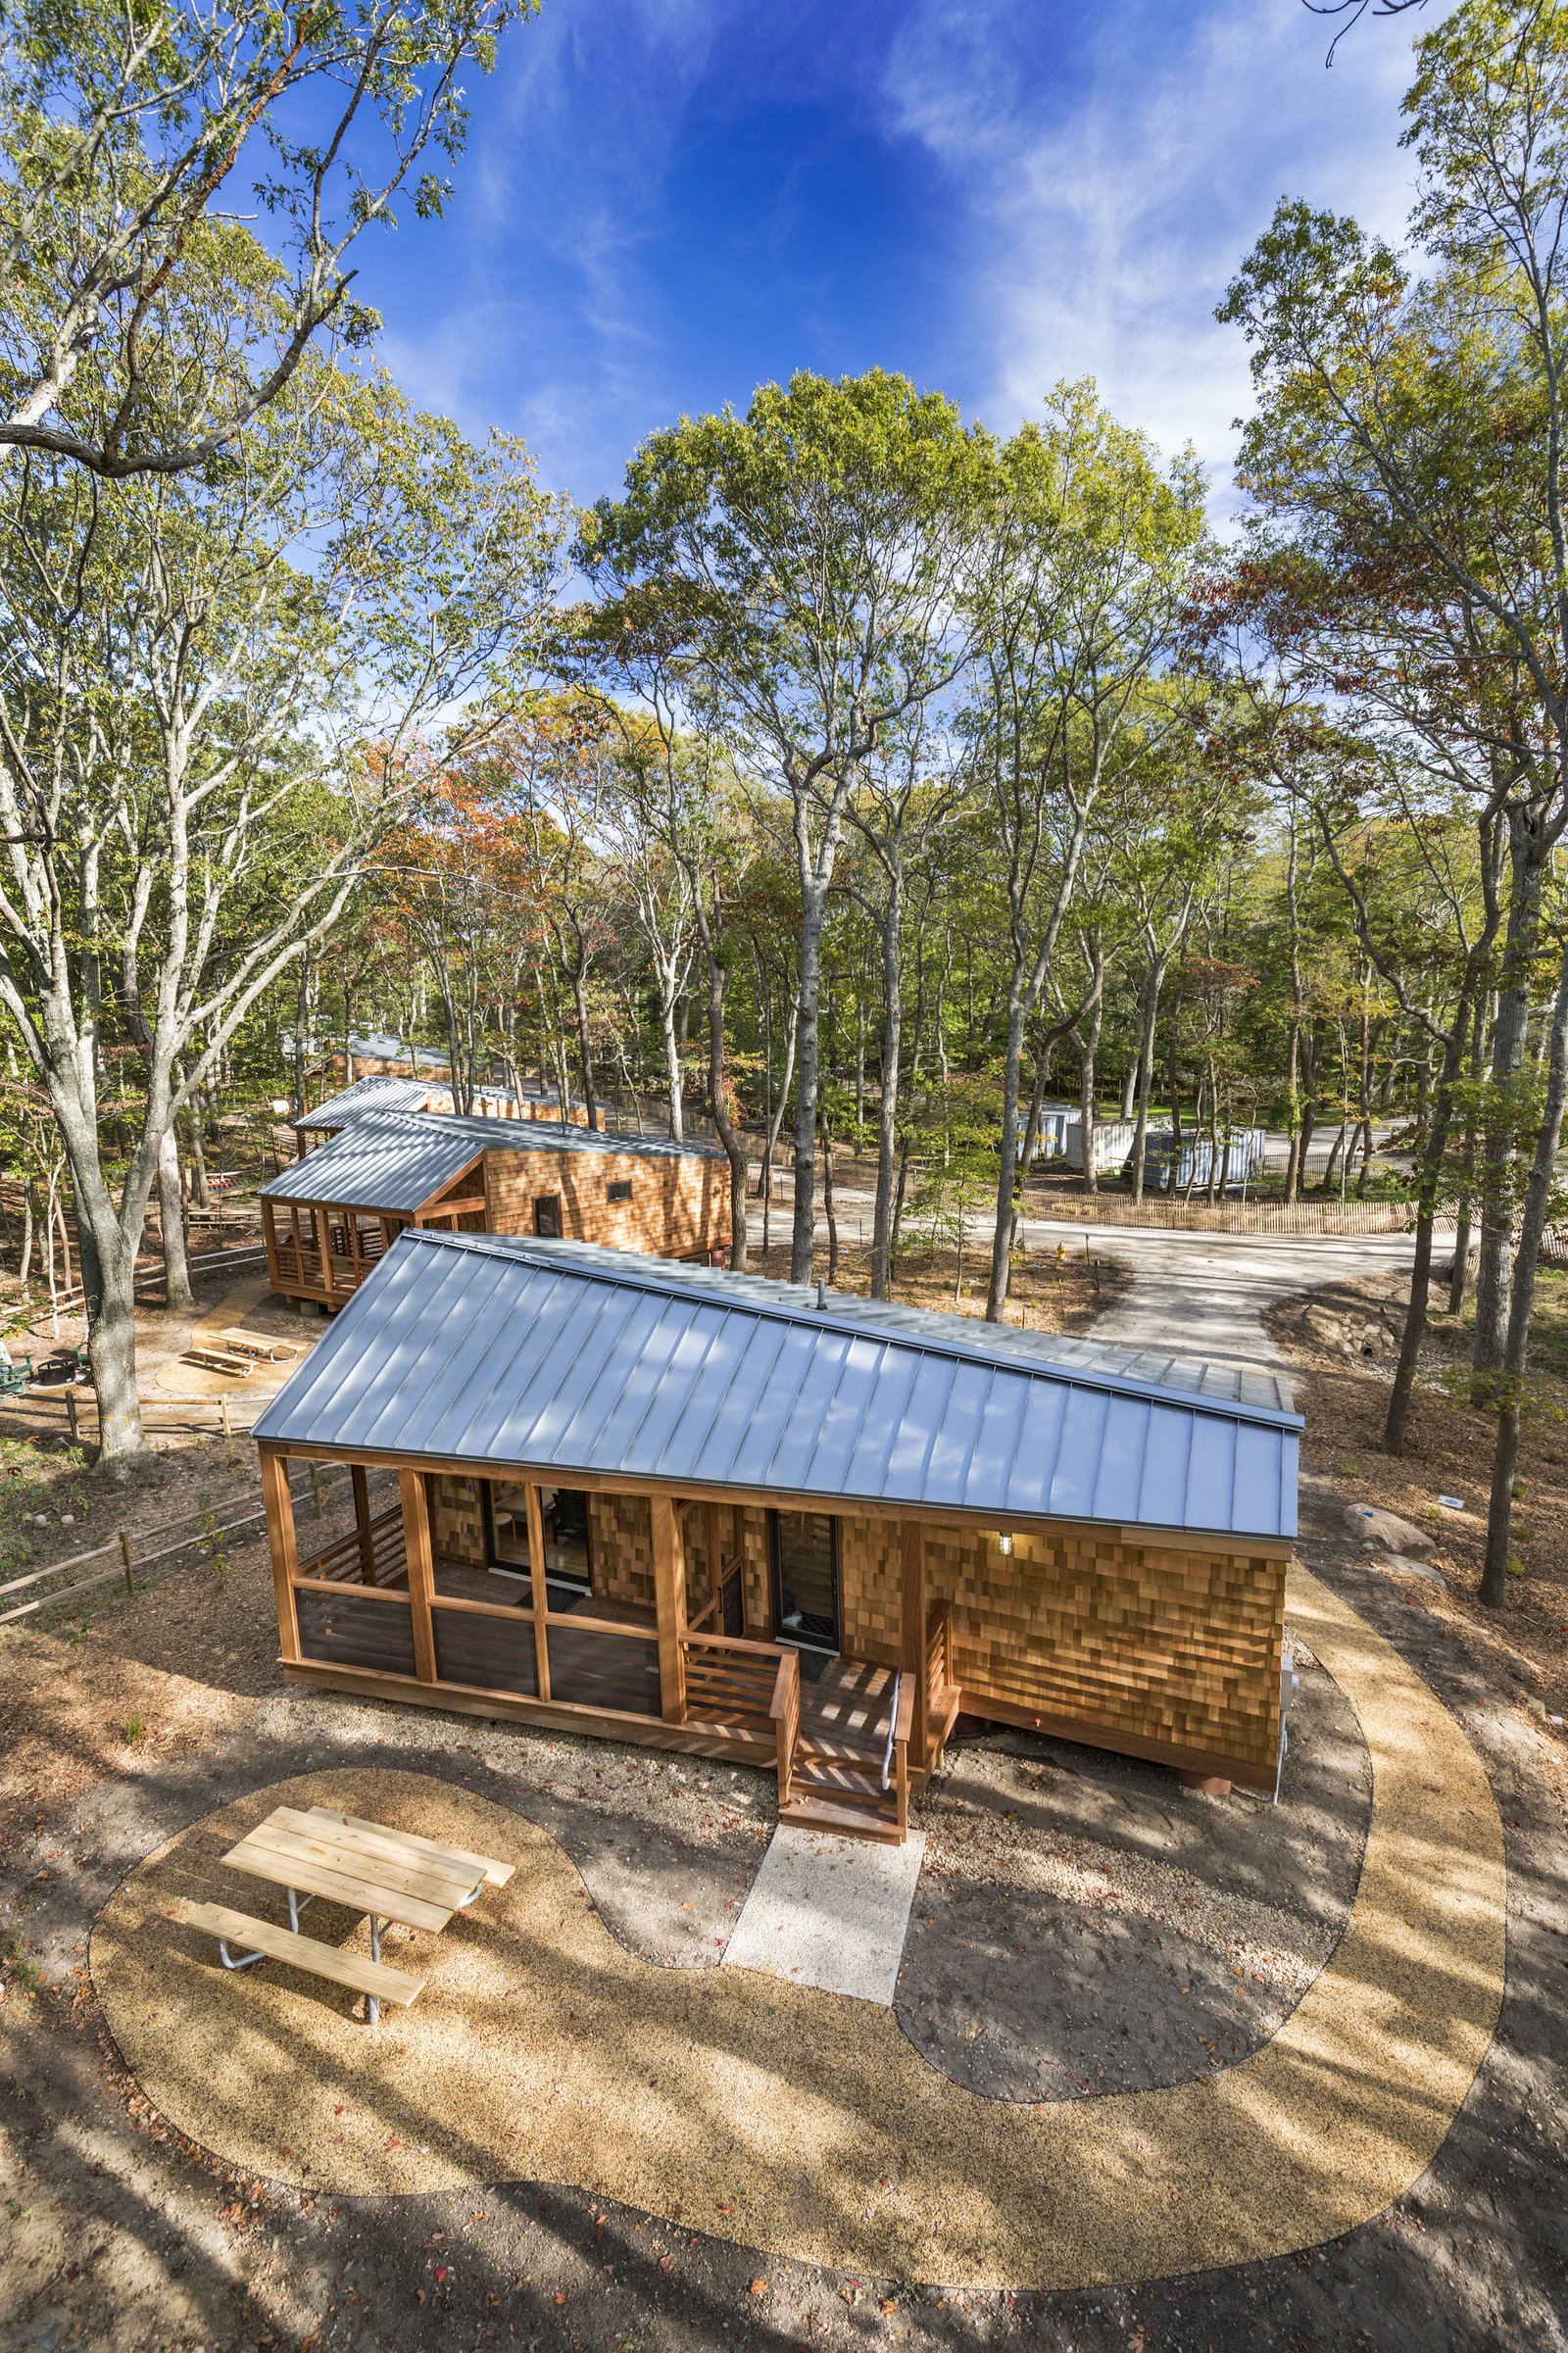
x,y
620,1191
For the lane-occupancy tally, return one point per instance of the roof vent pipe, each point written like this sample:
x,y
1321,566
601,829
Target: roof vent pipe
x,y
822,1292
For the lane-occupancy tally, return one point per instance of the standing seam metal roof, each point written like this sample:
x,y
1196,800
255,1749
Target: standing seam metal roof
x,y
486,1348
382,1160
372,1094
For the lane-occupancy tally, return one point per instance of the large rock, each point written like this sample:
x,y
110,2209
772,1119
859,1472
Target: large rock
x,y
1350,1334
1385,1532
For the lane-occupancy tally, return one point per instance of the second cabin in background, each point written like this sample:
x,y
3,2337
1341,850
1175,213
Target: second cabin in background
x,y
329,1219
382,1094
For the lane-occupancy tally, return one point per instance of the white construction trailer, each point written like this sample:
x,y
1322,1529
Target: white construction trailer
x,y
1061,1139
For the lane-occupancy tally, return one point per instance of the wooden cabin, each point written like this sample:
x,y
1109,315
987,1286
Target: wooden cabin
x,y
333,1216
327,1119
696,1509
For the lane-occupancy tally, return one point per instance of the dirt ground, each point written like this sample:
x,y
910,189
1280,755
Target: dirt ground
x,y
1341,1343
1083,1923
1049,1290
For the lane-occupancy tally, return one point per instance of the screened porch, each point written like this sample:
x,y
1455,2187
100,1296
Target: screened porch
x,y
510,1595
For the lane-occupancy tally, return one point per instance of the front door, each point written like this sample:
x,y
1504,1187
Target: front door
x,y
806,1578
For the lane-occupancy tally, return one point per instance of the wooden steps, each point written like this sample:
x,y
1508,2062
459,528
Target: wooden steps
x,y
846,1818
836,1788
372,1978
844,1772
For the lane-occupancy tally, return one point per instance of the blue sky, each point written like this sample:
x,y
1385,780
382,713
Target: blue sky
x,y
665,202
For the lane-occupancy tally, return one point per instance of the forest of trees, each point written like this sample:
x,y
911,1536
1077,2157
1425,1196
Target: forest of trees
x,y
855,778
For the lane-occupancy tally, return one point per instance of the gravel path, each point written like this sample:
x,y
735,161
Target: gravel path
x,y
1205,1295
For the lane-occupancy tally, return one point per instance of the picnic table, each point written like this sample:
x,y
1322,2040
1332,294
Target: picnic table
x,y
388,1875
270,1347
212,1357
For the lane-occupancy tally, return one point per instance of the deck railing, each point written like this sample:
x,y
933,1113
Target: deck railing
x,y
345,1561
784,1712
313,1271
724,1610
903,1727
730,1680
938,1652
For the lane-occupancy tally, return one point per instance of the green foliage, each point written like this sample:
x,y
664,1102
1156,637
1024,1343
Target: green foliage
x,y
954,1137
34,1480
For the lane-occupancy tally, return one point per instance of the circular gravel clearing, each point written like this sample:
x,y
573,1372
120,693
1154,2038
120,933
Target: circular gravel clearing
x,y
804,2124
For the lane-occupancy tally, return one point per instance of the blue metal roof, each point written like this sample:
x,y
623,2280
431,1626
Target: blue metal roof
x,y
560,1136
395,1160
558,1357
372,1094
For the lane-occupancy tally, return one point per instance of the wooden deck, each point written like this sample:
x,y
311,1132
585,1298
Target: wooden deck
x,y
372,1610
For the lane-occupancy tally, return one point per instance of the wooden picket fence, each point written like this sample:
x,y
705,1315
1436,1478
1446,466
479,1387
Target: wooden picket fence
x,y
1158,1212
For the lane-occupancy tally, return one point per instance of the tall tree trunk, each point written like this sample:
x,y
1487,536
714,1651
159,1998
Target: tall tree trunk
x,y
1528,853
719,1102
171,1224
1429,1180
886,1120
1018,1005
1090,1058
579,1000
829,1204
1293,1108
808,1080
1526,1259
1144,1072
200,1193
764,1178
671,1045
302,1014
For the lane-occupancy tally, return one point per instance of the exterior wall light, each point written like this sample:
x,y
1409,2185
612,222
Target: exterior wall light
x,y
1004,1539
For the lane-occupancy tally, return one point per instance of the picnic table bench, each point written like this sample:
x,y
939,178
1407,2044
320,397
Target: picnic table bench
x,y
270,1346
214,1358
389,1875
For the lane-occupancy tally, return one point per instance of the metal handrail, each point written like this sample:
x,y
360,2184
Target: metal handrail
x,y
892,1726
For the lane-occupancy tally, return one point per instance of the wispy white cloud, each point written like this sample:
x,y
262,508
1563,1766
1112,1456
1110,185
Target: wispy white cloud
x,y
1105,215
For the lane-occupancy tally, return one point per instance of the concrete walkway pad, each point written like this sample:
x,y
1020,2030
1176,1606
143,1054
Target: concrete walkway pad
x,y
829,1912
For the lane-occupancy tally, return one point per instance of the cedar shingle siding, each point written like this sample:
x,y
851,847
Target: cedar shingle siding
x,y
667,1207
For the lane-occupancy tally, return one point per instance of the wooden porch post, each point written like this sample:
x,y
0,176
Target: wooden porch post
x,y
912,1643
362,1522
278,1505
669,1599
713,1538
539,1587
422,1569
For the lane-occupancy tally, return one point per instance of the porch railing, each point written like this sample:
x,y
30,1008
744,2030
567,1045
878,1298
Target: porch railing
x,y
313,1271
730,1680
903,1725
724,1610
938,1652
784,1711
345,1562
943,1695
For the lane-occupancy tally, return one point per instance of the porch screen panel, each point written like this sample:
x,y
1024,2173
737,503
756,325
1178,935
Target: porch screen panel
x,y
603,1669
492,1653
349,1630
